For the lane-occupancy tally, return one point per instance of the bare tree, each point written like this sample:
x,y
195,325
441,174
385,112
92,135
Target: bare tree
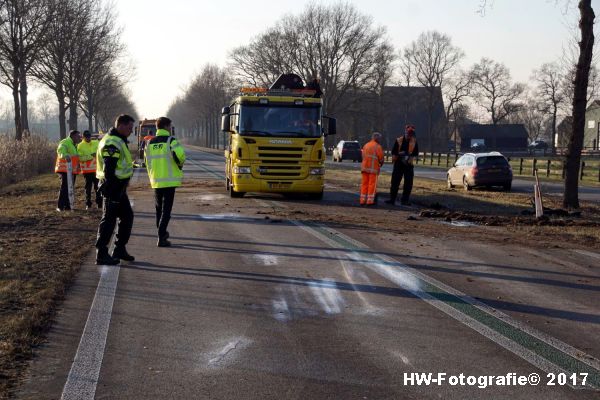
x,y
23,34
550,91
457,88
494,91
77,48
533,114
432,57
335,43
575,140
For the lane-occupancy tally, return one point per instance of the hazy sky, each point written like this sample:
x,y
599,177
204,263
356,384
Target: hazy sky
x,y
170,41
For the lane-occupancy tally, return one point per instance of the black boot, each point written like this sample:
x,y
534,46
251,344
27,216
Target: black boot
x,y
103,258
163,243
121,252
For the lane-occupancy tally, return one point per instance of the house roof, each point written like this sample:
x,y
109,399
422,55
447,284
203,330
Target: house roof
x,y
488,131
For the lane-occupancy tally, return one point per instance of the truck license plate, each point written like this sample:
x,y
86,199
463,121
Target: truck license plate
x,y
279,185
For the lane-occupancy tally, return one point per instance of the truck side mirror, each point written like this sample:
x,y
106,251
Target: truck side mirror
x,y
331,126
226,123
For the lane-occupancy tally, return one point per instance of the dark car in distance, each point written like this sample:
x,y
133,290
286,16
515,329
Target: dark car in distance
x,y
481,169
347,150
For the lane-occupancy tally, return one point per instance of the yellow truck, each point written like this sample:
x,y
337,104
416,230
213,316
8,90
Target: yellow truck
x,y
275,140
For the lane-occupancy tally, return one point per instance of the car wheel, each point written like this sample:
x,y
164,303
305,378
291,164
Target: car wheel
x,y
507,187
449,182
466,184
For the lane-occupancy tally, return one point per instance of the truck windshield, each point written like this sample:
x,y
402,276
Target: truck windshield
x,y
280,121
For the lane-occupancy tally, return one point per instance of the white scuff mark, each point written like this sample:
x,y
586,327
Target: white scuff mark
x,y
354,276
221,216
229,350
402,357
403,279
266,259
208,197
330,299
588,253
281,311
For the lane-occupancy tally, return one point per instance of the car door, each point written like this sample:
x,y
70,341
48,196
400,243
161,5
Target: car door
x,y
456,172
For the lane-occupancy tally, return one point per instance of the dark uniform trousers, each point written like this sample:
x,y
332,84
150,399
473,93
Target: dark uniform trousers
x,y
402,170
63,195
91,181
163,201
112,209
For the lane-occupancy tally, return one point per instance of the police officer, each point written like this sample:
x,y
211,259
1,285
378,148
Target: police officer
x,y
87,158
404,152
115,168
66,153
164,157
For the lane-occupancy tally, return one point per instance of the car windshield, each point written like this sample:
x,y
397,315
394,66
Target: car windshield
x,y
492,161
280,121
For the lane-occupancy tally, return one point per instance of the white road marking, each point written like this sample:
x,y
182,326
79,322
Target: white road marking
x,y
85,370
266,259
588,253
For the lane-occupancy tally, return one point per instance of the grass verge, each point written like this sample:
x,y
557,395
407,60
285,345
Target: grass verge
x,y
489,208
40,253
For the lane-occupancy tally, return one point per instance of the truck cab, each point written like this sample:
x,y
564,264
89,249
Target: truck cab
x,y
275,141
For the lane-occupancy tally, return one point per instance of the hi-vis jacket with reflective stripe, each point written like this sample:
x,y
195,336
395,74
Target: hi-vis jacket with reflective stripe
x,y
87,156
164,160
372,157
65,148
115,147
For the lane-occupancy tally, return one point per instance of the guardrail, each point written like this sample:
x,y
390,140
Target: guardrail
x,y
551,167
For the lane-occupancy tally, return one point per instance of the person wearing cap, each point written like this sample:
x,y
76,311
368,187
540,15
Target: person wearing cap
x,y
87,159
372,160
404,152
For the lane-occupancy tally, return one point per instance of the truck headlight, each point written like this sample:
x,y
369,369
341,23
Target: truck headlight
x,y
241,170
317,171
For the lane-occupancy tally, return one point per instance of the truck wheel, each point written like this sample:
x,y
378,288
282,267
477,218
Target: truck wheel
x,y
234,194
316,196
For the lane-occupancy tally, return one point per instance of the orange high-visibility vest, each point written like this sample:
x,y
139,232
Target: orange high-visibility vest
x,y
66,147
411,146
372,157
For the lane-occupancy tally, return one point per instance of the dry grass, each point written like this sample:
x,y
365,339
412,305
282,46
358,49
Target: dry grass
x,y
40,253
23,159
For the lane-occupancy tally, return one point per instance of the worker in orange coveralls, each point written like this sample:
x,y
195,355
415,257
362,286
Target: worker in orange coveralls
x,y
372,160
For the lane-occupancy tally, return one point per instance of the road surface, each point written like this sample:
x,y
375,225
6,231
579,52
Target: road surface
x,y
249,306
587,193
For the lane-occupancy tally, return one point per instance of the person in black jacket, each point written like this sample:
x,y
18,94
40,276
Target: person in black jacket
x,y
404,152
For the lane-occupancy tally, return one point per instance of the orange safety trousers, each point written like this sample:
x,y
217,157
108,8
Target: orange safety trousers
x,y
368,188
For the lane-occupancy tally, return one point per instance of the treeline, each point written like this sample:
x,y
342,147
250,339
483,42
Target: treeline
x,y
351,54
71,47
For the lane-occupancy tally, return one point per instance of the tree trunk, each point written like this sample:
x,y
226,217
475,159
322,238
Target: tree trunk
x,y
96,125
553,139
575,140
24,116
18,122
90,113
62,119
73,116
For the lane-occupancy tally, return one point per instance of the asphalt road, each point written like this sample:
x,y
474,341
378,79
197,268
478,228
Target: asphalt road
x,y
587,193
249,307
